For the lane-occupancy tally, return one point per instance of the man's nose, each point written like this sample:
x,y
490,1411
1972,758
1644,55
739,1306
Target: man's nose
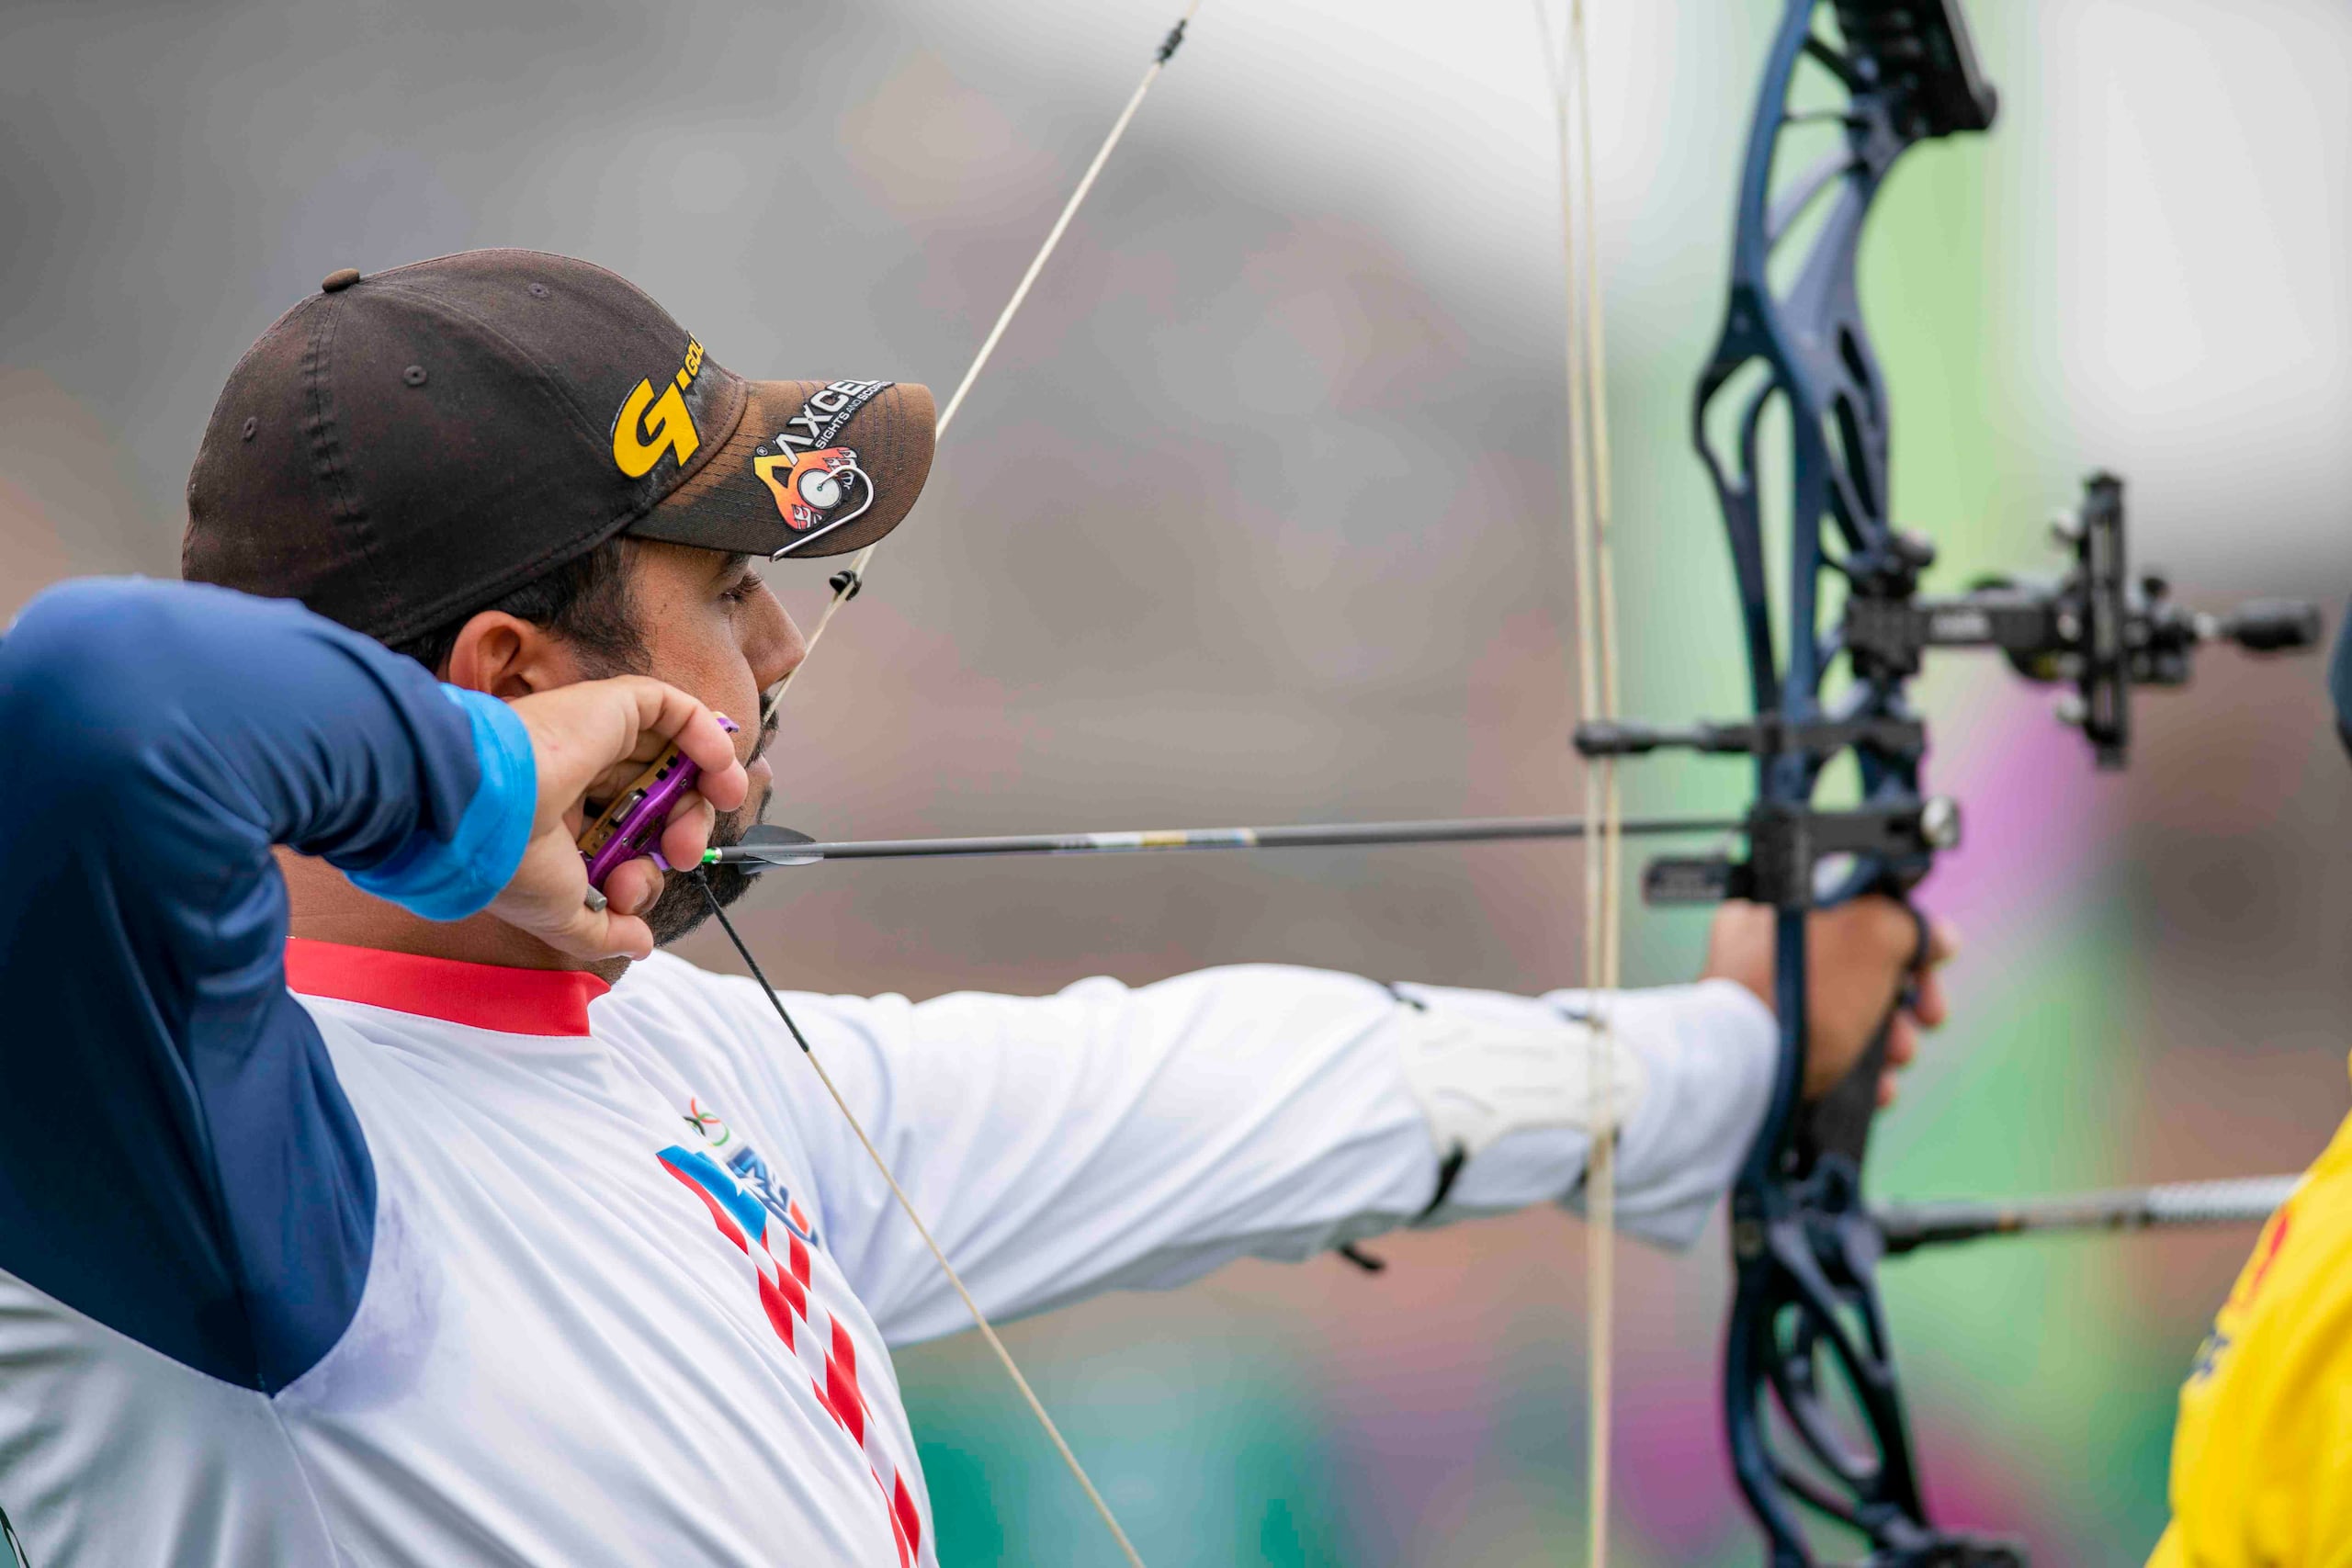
x,y
776,645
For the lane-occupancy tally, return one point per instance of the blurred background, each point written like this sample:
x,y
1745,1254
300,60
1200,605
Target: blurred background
x,y
1256,518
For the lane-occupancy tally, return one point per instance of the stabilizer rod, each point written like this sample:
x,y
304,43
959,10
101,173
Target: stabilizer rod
x,y
2247,1200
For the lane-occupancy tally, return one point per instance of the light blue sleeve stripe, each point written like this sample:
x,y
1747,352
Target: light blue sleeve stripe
x,y
447,880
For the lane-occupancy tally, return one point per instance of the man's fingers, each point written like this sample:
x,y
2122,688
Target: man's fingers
x,y
1902,1042
633,885
626,934
1927,1004
597,735
688,831
612,936
547,899
602,933
669,713
1901,1045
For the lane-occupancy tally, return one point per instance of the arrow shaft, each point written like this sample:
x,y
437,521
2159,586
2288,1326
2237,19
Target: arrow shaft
x,y
1318,835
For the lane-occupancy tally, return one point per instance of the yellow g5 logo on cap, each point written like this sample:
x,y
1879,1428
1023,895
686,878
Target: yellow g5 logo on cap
x,y
648,426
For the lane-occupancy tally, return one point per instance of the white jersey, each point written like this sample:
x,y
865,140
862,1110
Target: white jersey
x,y
327,1256
633,1282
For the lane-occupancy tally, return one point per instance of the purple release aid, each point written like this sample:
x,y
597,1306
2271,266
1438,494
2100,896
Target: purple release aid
x,y
631,826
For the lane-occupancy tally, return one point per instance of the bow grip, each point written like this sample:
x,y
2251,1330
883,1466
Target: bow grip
x,y
1840,1121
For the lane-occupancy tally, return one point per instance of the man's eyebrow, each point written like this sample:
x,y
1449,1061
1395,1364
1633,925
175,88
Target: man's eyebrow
x,y
732,567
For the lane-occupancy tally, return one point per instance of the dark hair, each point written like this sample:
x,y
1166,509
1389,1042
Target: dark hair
x,y
586,602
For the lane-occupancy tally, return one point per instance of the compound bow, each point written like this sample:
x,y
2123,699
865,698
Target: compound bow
x,y
1806,1326
1814,1415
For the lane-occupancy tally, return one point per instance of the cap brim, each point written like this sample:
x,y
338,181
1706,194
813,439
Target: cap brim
x,y
813,468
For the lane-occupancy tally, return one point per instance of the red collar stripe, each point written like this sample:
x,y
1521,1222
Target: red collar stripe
x,y
481,995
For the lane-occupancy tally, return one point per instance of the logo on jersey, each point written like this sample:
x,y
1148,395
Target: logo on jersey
x,y
743,1162
815,1340
2266,1253
707,1125
2219,1343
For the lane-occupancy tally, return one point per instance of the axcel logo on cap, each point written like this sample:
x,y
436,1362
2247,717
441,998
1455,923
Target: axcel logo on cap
x,y
817,486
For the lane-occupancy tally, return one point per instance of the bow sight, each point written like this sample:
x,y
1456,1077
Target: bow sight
x,y
1806,1324
2095,627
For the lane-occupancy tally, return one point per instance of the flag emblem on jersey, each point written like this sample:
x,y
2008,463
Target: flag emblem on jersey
x,y
784,1285
752,1171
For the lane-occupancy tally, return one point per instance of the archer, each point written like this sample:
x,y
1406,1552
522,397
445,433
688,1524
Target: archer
x,y
369,1190
2261,1457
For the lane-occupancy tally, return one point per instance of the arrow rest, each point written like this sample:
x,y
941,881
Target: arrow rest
x,y
1800,858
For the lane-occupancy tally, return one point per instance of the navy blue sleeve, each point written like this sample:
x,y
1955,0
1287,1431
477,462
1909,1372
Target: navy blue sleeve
x,y
176,1157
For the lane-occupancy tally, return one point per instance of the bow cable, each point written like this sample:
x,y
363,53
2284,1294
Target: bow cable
x,y
1567,68
845,583
939,1255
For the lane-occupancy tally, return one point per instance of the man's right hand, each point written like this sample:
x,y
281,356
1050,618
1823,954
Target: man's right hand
x,y
590,739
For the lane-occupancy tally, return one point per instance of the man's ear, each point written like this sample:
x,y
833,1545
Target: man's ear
x,y
508,657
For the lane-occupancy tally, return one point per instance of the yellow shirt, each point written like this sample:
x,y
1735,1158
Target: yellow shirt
x,y
2262,1456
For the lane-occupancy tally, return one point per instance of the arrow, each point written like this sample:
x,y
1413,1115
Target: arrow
x,y
764,847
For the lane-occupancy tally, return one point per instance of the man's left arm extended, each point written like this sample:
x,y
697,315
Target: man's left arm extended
x,y
1110,1137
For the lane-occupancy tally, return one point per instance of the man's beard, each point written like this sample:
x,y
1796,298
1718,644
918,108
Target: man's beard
x,y
682,905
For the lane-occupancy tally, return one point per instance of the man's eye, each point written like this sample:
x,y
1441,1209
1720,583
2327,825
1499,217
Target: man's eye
x,y
743,591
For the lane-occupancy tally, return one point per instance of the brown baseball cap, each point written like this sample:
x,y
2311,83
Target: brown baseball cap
x,y
405,447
